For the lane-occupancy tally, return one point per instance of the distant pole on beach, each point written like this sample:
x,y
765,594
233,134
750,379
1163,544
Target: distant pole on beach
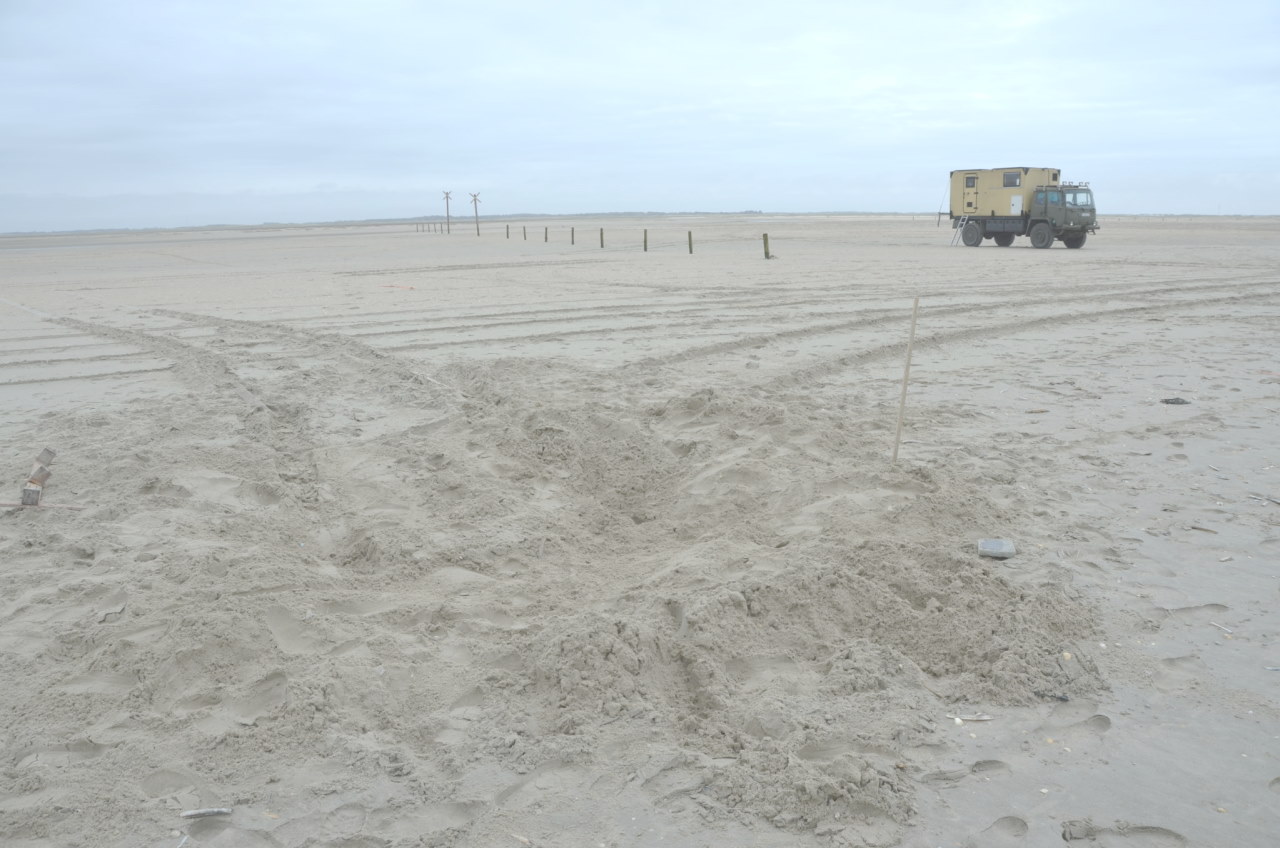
x,y
475,204
691,242
447,222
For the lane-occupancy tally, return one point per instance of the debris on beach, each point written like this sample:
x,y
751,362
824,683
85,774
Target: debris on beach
x,y
996,548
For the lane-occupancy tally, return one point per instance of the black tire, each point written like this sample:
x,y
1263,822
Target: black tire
x,y
1075,242
1003,239
971,235
1041,235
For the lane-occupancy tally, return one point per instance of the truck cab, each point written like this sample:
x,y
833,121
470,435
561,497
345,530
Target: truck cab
x,y
1068,208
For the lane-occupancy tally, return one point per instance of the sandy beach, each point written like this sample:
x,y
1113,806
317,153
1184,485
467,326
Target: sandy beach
x,y
397,538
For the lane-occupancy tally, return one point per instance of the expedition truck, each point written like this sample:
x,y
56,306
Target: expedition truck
x,y
1000,203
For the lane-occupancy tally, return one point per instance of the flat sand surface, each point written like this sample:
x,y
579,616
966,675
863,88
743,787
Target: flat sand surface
x,y
399,538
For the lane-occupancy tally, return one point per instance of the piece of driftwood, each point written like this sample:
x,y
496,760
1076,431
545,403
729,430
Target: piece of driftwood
x,y
39,475
31,495
207,811
46,457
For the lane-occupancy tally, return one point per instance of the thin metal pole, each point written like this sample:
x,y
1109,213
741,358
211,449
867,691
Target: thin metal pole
x,y
906,377
448,222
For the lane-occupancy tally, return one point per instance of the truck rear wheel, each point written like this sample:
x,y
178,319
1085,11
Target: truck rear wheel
x,y
1074,241
971,235
1003,239
1041,235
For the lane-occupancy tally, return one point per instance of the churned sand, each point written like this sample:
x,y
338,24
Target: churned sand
x,y
398,538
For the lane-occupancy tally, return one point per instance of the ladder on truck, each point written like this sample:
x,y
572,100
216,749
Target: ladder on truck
x,y
955,236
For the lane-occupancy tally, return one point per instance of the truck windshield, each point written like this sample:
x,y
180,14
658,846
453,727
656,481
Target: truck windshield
x,y
1080,198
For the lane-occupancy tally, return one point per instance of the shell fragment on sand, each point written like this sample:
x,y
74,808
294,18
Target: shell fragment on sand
x,y
207,811
996,548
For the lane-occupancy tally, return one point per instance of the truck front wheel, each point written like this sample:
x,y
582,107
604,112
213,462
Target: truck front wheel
x,y
1074,241
1041,235
971,235
1003,239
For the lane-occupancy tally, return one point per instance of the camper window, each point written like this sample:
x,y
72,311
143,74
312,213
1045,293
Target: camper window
x,y
1012,179
970,182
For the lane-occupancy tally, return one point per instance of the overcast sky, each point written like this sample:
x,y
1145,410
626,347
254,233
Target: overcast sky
x,y
142,113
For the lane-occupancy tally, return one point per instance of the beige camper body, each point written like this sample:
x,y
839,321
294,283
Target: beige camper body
x,y
997,191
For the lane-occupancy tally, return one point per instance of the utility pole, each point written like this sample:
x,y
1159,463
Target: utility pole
x,y
475,204
447,224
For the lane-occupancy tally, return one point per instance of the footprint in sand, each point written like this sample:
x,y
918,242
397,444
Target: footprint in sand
x,y
100,683
264,697
1004,832
291,634
347,820
982,769
1199,613
1075,722
1176,673
1121,836
61,755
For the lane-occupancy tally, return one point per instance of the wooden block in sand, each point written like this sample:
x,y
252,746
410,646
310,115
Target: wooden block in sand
x,y
31,494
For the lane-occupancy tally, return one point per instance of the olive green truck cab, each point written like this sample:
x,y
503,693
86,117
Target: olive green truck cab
x,y
1002,203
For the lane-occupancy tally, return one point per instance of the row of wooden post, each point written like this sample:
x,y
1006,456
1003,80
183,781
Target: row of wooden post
x,y
546,236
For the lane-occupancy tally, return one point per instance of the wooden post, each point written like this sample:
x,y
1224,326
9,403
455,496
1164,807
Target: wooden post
x,y
39,475
546,232
524,231
766,246
31,495
602,236
508,231
906,376
691,242
646,241
571,235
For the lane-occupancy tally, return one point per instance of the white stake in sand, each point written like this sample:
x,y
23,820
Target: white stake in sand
x,y
906,377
